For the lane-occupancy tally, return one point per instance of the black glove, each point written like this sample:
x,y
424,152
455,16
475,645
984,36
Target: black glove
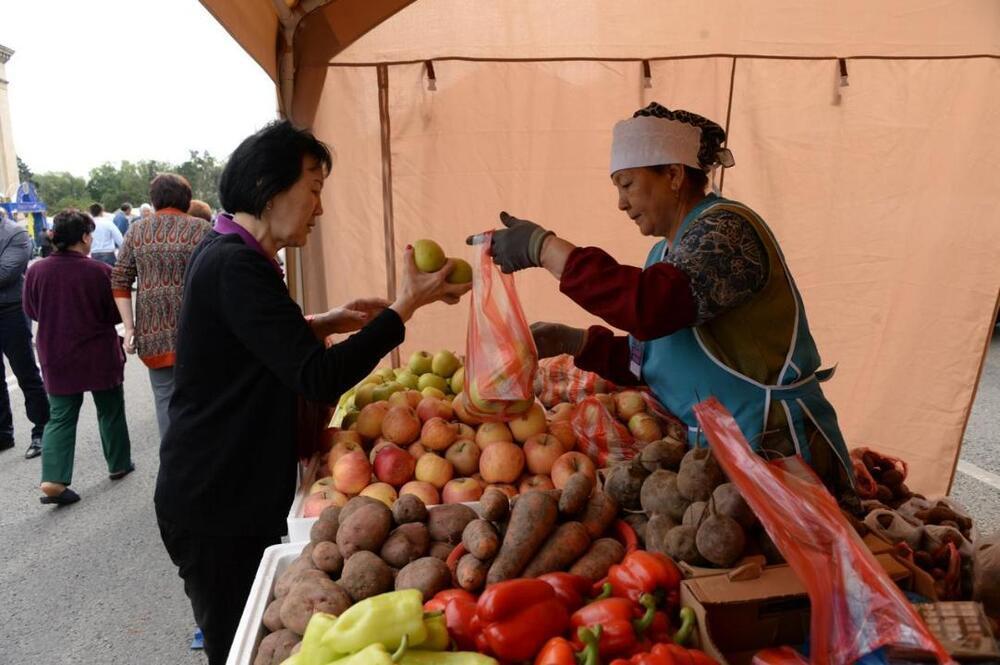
x,y
518,246
553,339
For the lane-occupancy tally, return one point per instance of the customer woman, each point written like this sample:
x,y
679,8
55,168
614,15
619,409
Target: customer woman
x,y
714,312
79,350
244,354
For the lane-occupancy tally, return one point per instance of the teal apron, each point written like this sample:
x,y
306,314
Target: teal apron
x,y
681,371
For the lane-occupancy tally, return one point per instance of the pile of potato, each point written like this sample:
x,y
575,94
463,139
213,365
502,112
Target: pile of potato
x,y
889,477
359,550
680,504
540,532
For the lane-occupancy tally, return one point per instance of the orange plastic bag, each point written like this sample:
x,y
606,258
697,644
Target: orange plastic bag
x,y
559,380
599,435
856,608
500,354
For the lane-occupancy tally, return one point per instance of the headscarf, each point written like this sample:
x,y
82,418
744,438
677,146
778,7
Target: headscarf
x,y
655,135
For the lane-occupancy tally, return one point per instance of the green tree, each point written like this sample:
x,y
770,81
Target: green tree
x,y
203,171
24,173
62,190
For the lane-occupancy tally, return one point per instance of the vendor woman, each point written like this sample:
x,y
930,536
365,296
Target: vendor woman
x,y
714,312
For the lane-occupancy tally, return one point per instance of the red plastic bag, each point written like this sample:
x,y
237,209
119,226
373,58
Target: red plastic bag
x,y
856,608
559,380
500,354
861,458
601,436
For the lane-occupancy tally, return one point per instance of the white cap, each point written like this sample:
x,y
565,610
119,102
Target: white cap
x,y
651,141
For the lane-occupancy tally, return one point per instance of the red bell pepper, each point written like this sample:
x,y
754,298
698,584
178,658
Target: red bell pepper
x,y
560,651
646,572
668,654
621,621
518,617
660,630
438,602
572,590
459,607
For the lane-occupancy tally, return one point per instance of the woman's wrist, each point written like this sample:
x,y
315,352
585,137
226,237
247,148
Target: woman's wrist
x,y
404,307
555,252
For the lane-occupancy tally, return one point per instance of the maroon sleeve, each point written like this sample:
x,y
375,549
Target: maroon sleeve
x,y
647,304
607,355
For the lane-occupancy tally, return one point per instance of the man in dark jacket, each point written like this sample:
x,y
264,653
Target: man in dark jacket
x,y
15,339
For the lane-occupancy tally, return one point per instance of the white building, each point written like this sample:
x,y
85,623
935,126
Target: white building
x,y
8,160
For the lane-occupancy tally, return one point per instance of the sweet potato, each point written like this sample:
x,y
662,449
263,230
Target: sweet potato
x,y
663,454
365,528
309,596
656,532
446,522
699,475
720,540
603,553
660,495
272,615
428,574
566,544
441,550
406,543
325,528
600,513
470,574
481,540
575,493
276,647
495,505
365,574
729,502
409,508
326,556
532,519
624,483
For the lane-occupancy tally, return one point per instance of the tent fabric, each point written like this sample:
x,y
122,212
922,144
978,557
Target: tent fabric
x,y
883,193
252,23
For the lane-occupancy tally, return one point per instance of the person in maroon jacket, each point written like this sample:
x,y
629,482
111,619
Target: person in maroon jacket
x,y
69,295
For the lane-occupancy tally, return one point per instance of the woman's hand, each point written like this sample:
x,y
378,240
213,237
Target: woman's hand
x,y
523,244
353,316
129,341
417,288
554,339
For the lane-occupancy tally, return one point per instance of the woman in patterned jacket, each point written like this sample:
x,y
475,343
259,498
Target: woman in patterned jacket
x,y
714,311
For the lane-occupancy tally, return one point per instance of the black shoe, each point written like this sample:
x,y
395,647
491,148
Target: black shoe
x,y
6,445
118,475
64,498
34,448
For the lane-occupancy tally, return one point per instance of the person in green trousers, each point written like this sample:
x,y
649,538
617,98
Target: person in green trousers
x,y
79,350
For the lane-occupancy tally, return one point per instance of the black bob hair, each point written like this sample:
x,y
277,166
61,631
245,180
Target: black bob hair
x,y
266,164
69,227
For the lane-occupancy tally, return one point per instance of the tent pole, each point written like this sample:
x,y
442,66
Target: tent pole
x,y
387,216
729,115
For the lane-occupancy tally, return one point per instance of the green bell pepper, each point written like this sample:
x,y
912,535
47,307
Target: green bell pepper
x,y
437,632
373,654
384,619
313,651
420,657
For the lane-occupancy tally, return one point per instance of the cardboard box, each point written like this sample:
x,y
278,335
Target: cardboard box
x,y
738,618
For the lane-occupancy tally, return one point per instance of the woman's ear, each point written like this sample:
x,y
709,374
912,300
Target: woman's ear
x,y
675,173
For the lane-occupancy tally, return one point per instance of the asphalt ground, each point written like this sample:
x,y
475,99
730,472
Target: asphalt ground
x,y
92,584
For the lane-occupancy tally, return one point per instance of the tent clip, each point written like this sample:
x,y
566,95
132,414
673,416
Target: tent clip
x,y
647,75
431,79
843,72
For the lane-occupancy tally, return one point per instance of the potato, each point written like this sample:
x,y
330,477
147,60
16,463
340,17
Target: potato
x,y
600,513
325,528
470,574
409,508
446,522
680,544
566,544
638,522
355,503
326,556
699,475
301,564
365,574
272,615
406,543
575,494
656,532
532,519
603,554
729,502
309,596
720,540
495,505
694,514
276,647
365,528
481,539
441,550
624,483
660,494
663,454
428,574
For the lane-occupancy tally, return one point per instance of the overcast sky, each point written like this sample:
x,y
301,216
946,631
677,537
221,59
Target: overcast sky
x,y
95,81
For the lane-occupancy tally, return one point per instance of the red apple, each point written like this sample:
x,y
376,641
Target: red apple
x,y
561,411
416,450
570,463
381,491
464,456
401,425
459,490
541,452
538,482
528,424
501,462
506,488
434,469
422,490
491,433
438,434
462,411
339,450
370,419
394,466
378,445
432,407
628,403
563,430
407,398
644,428
466,432
352,473
317,502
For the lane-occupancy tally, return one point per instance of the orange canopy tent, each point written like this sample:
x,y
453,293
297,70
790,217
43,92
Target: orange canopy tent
x,y
864,133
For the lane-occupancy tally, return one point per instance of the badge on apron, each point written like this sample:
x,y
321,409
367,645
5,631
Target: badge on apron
x,y
635,357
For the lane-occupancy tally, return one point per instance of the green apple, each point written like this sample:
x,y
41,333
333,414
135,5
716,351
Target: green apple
x,y
365,395
372,378
382,392
432,381
445,364
408,380
458,380
428,255
387,373
461,273
420,362
431,391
